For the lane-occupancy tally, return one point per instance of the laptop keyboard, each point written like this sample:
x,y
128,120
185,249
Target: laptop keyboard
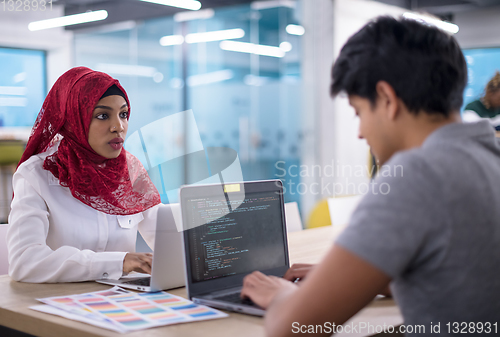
x,y
140,281
235,298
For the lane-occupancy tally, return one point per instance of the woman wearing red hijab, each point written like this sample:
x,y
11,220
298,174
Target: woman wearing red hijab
x,y
79,197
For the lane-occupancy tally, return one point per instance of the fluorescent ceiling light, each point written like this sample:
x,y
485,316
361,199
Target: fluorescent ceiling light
x,y
171,40
13,91
188,16
446,26
295,30
209,78
69,20
260,5
251,48
216,35
286,46
185,4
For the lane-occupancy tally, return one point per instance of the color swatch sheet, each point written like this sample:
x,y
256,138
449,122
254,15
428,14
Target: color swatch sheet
x,y
123,311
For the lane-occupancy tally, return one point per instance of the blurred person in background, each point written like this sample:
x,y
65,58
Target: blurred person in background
x,y
488,106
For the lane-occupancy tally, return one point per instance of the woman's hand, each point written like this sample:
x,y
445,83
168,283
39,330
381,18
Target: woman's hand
x,y
298,271
139,262
262,289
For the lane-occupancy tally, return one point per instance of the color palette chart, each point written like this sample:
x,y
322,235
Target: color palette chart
x,y
123,311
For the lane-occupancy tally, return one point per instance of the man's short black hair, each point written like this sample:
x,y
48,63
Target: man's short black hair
x,y
423,64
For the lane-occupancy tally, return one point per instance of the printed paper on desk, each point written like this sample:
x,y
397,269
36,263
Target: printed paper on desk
x,y
120,310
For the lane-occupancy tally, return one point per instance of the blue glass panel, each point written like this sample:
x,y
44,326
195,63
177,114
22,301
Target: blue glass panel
x,y
22,86
248,103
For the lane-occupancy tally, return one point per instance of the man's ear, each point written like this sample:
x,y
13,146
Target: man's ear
x,y
387,97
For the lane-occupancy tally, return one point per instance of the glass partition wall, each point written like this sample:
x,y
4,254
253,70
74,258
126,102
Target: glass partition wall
x,y
241,79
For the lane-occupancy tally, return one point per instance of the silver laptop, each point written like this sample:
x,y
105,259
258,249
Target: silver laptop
x,y
231,230
168,269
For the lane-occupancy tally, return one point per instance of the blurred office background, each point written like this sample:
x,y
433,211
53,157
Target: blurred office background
x,y
259,85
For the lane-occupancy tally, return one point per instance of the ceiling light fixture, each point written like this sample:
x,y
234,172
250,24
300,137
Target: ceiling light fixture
x,y
216,35
198,15
171,40
252,48
295,30
286,46
261,5
68,20
184,4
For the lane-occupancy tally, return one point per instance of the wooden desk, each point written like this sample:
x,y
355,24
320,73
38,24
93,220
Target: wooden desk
x,y
307,246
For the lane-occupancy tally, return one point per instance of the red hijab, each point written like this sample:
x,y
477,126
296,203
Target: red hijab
x,y
119,186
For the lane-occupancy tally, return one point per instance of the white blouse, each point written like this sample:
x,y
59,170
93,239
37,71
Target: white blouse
x,y
54,237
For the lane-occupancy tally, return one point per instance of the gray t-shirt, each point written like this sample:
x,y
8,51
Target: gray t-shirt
x,y
436,232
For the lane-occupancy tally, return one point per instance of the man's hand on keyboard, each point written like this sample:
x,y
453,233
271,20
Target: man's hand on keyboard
x,y
262,289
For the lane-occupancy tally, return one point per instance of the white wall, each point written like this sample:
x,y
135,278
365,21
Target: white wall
x,y
479,28
56,41
344,147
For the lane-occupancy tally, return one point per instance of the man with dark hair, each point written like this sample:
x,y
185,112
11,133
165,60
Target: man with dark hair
x,y
435,235
425,67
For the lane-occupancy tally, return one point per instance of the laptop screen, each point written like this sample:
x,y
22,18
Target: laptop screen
x,y
249,237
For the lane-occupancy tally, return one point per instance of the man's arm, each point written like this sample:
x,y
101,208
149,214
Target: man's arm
x,y
340,286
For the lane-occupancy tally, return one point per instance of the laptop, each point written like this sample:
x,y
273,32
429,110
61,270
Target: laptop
x,y
231,230
168,269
